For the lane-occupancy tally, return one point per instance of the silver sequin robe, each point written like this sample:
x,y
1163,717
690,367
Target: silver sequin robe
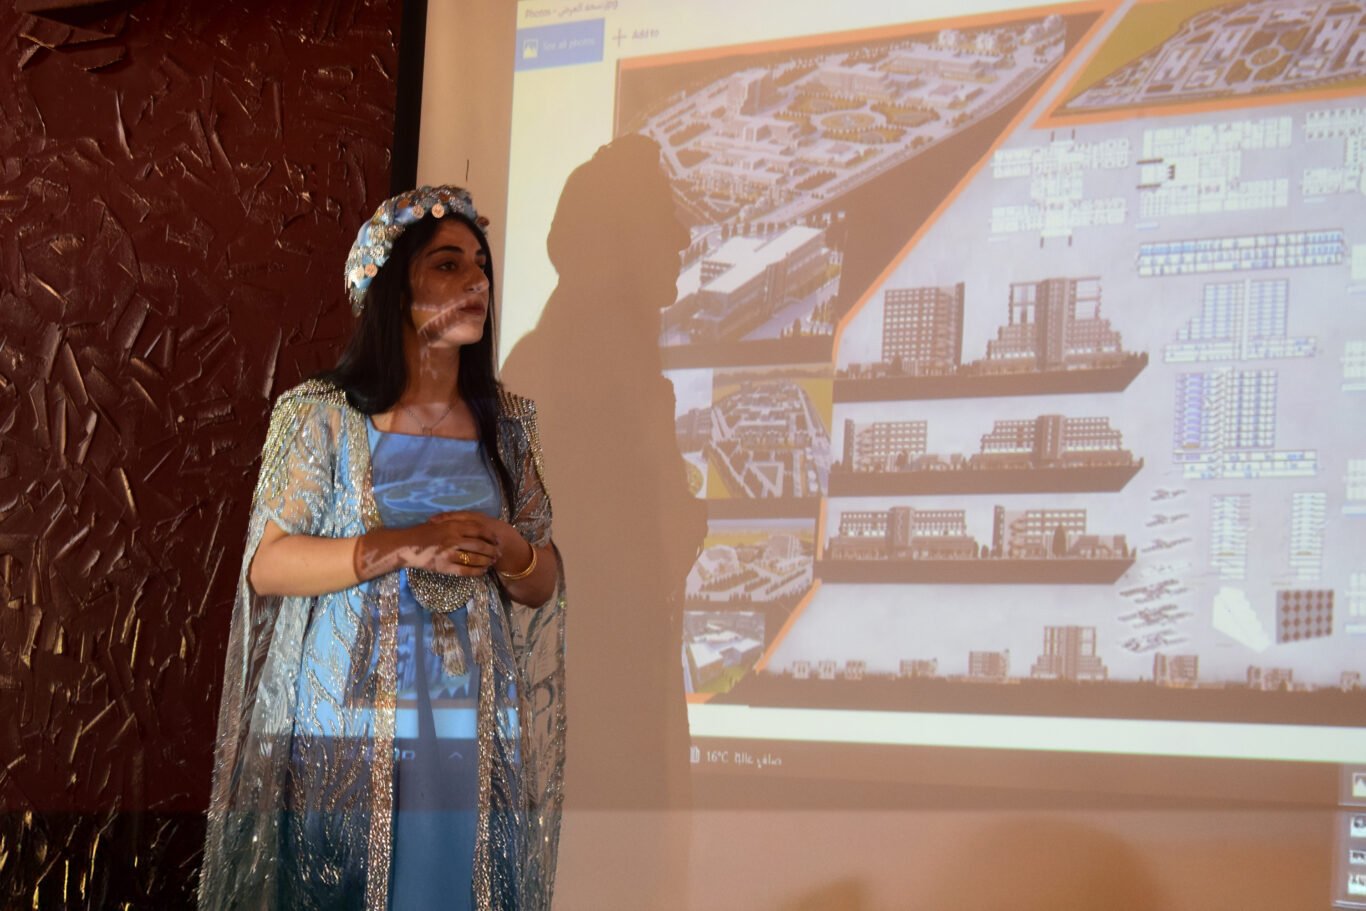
x,y
301,811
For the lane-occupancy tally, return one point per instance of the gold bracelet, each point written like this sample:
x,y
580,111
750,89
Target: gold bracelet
x,y
513,577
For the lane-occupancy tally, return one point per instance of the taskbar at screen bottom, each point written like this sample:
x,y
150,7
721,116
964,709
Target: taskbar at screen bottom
x,y
740,757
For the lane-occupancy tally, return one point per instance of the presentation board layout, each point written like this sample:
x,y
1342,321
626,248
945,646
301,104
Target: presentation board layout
x,y
1019,358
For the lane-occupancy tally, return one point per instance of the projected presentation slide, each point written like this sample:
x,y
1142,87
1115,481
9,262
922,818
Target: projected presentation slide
x,y
1019,356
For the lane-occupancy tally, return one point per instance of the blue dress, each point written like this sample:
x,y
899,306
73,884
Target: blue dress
x,y
436,772
302,812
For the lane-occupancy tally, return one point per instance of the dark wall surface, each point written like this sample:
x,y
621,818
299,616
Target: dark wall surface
x,y
179,185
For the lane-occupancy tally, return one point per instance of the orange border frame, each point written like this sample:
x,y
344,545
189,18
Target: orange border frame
x,y
862,34
971,173
1100,7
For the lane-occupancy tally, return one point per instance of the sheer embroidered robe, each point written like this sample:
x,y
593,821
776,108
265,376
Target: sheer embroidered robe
x,y
301,810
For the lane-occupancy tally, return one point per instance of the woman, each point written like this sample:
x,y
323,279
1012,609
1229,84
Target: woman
x,y
392,725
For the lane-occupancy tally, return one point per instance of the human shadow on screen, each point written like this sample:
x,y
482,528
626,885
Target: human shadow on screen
x,y
847,894
624,519
1042,864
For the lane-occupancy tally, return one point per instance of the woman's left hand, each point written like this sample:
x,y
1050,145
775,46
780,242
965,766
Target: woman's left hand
x,y
527,573
515,550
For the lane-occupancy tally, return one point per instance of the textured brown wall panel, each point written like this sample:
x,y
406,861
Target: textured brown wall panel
x,y
179,184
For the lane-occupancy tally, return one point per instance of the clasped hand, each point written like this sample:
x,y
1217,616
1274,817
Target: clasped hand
x,y
457,543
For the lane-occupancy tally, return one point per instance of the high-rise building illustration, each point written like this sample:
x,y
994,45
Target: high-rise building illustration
x,y
1225,427
1176,670
863,524
919,667
907,522
1048,452
1304,613
1035,533
1054,341
1052,439
922,329
883,445
1229,523
1069,653
1240,321
1307,514
903,521
911,544
989,665
1270,678
1055,324
902,532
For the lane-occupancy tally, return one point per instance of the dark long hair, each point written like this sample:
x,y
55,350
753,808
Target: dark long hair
x,y
372,369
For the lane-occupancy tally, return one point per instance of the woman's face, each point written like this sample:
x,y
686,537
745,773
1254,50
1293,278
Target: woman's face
x,y
450,293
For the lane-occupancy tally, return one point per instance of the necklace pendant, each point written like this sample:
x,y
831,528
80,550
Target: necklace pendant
x,y
428,429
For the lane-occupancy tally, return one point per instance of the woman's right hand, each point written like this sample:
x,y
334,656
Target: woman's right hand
x,y
455,545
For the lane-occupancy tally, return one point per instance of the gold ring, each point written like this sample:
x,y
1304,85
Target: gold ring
x,y
463,557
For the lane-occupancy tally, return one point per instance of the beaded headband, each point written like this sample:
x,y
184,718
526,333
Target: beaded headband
x,y
375,240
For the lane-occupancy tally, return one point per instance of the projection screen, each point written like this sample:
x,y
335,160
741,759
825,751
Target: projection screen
x,y
1017,357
